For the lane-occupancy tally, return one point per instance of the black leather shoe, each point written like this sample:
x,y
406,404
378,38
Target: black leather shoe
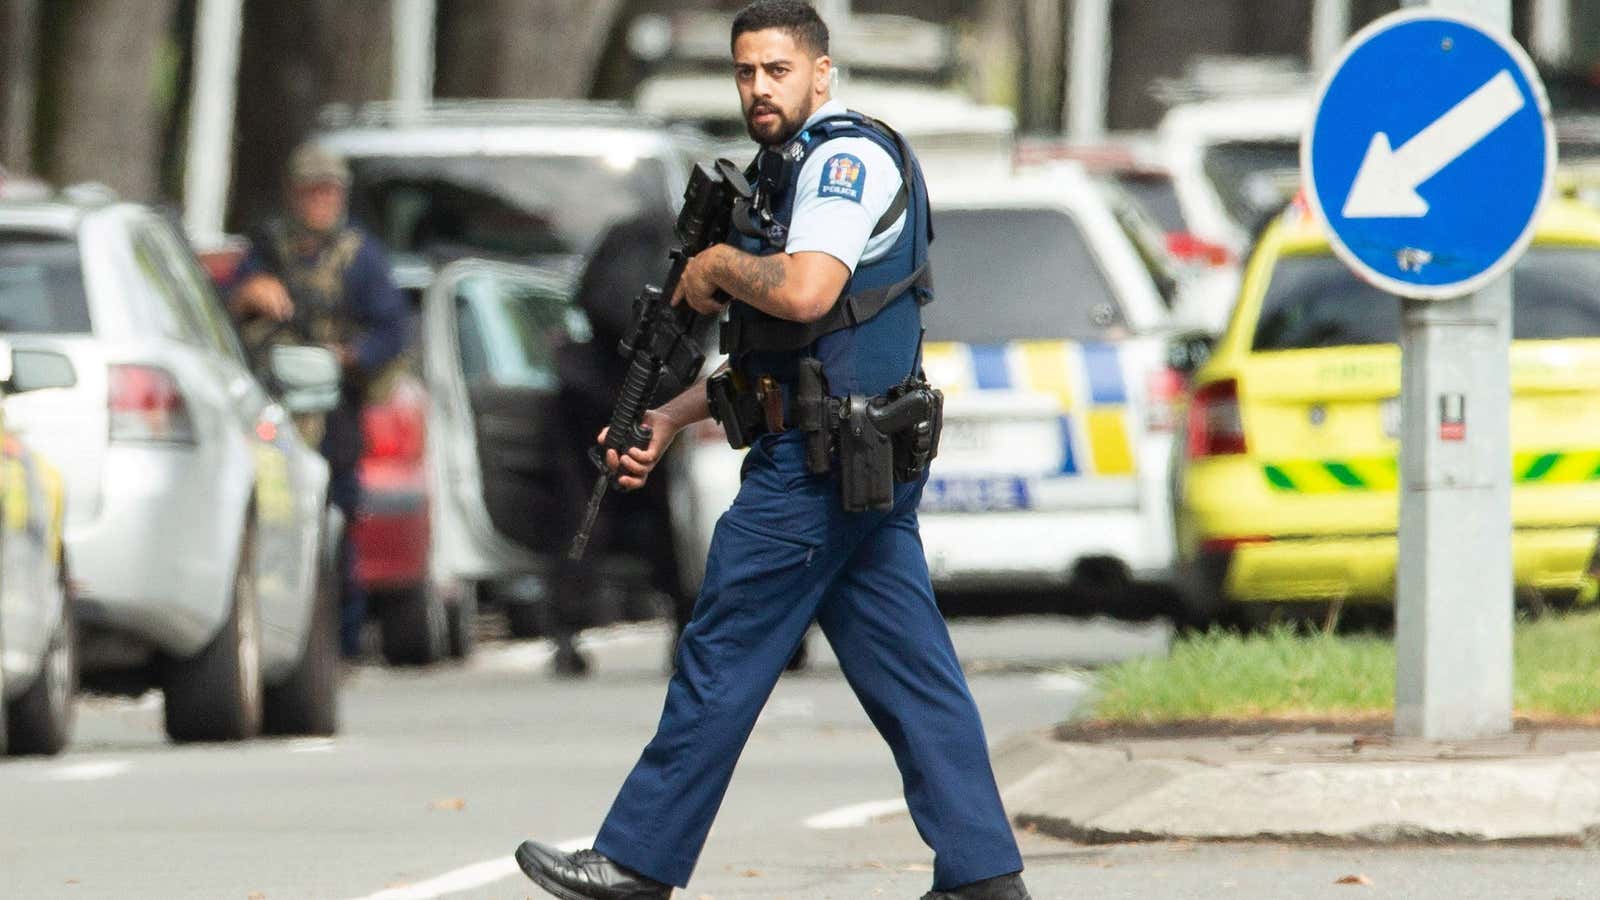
x,y
1004,887
585,875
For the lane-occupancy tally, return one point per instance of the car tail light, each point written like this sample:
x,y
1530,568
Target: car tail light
x,y
146,405
394,431
1215,426
1187,248
1163,390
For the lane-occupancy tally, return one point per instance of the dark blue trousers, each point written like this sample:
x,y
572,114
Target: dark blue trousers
x,y
344,491
784,555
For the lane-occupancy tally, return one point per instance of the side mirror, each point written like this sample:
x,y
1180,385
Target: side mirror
x,y
1187,352
38,370
308,378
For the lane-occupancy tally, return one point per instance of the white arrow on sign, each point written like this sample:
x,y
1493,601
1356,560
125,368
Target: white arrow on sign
x,y
1386,185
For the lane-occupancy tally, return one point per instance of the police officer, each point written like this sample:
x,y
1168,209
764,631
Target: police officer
x,y
844,250
313,278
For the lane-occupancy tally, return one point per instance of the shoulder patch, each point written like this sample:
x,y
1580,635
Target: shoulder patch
x,y
842,176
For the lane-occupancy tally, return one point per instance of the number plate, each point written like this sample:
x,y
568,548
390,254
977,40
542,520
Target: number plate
x,y
1002,494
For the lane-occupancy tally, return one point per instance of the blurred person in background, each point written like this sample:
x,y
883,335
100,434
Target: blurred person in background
x,y
630,254
312,278
836,268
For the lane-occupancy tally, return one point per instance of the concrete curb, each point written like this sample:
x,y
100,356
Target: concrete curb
x,y
1104,794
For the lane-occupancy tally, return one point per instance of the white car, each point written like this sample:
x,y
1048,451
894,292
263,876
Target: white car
x,y
1047,336
532,181
197,522
1235,163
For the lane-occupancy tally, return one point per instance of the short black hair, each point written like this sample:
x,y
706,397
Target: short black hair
x,y
796,17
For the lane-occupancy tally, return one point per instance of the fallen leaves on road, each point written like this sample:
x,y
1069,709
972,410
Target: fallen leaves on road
x,y
256,895
453,804
1362,880
752,873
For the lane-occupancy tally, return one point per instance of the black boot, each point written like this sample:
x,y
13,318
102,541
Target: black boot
x,y
1004,887
570,662
585,875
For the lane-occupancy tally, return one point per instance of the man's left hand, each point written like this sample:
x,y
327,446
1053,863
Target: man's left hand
x,y
696,287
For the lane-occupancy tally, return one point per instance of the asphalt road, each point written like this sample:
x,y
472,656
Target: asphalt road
x,y
438,774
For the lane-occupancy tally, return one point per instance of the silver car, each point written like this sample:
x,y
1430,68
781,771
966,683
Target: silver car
x,y
197,518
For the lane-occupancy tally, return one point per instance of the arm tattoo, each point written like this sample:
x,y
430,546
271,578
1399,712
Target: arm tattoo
x,y
752,279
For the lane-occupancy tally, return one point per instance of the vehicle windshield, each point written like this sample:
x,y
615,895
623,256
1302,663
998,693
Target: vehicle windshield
x,y
1254,179
1316,301
521,207
1010,274
1156,196
41,285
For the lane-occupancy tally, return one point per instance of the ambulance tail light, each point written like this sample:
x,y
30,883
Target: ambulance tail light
x,y
1224,545
1163,393
145,404
1215,425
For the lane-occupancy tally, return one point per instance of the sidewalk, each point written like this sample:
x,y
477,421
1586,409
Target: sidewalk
x,y
1298,783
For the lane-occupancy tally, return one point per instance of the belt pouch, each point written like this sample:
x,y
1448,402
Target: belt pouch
x,y
812,418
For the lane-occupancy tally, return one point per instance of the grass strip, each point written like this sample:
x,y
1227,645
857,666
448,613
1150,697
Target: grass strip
x,y
1290,673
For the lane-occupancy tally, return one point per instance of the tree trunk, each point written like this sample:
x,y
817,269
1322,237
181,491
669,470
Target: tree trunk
x,y
298,56
109,92
19,83
522,48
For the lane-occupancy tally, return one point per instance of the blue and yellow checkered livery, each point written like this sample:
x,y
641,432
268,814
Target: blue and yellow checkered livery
x,y
1088,380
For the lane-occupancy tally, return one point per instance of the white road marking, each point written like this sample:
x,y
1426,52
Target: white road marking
x,y
467,878
86,771
311,745
856,816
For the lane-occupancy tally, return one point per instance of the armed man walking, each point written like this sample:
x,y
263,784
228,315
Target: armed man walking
x,y
312,278
822,283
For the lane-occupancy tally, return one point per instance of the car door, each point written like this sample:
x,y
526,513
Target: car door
x,y
286,507
500,456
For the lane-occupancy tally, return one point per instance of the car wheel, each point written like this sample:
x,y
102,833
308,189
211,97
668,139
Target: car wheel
x,y
464,622
40,721
416,628
308,702
216,694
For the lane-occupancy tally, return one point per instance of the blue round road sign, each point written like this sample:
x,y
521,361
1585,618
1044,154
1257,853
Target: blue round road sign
x,y
1430,154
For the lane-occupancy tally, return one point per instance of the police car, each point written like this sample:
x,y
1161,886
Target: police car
x,y
1288,479
1047,338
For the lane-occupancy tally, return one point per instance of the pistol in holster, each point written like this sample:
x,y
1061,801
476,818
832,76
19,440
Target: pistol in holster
x,y
878,441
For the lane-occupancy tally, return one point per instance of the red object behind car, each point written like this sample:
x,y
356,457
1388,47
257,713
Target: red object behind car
x,y
391,530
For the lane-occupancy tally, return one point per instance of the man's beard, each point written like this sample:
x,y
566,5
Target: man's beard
x,y
783,129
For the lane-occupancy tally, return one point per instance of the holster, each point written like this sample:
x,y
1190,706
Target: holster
x,y
878,440
735,406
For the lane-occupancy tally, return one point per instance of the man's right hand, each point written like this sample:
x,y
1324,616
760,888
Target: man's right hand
x,y
634,467
265,296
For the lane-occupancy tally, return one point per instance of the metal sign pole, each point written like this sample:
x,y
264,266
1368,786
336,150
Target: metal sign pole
x,y
1454,614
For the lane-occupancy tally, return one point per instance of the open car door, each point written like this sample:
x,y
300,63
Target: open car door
x,y
499,452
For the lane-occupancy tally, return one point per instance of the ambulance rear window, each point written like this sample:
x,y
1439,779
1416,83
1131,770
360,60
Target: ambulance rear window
x,y
1008,274
1315,301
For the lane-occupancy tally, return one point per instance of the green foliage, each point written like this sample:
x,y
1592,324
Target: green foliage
x,y
1290,672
